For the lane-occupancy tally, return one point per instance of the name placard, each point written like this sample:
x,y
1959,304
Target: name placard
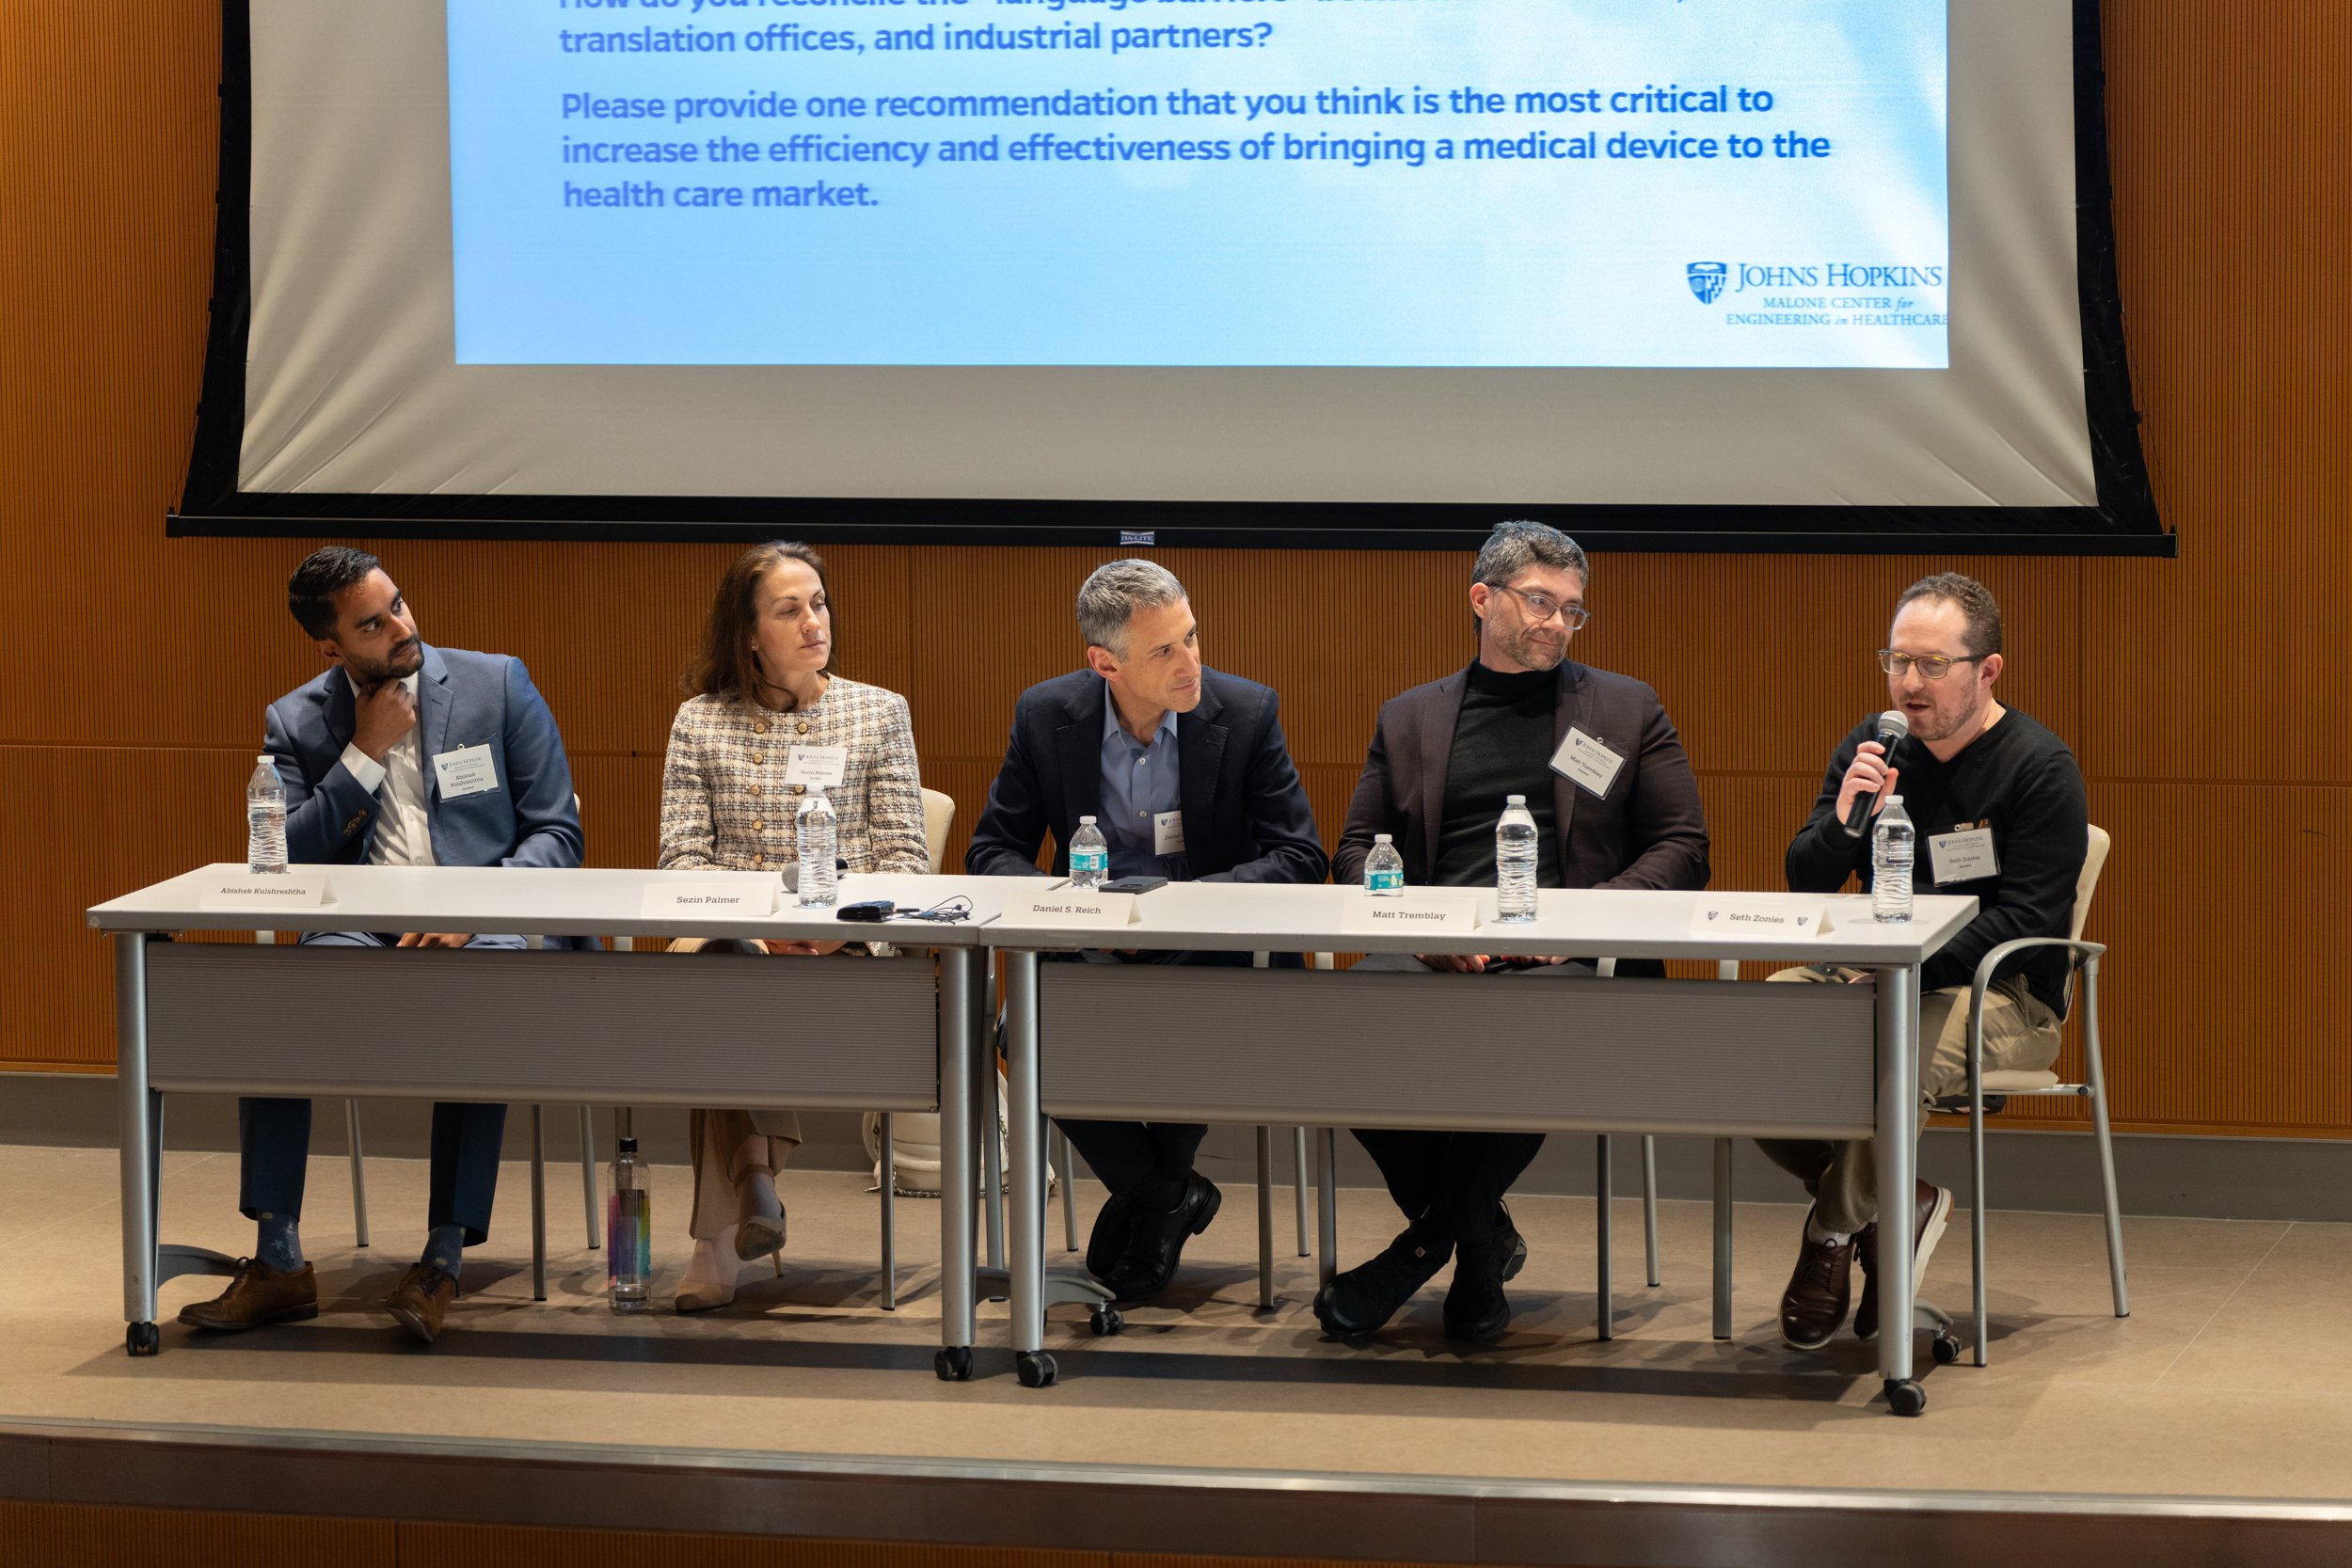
x,y
1757,915
729,900
1413,912
1069,908
296,889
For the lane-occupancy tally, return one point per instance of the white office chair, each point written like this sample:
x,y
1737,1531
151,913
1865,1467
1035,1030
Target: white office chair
x,y
2083,956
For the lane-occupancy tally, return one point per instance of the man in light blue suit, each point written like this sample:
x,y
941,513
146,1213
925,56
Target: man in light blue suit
x,y
398,754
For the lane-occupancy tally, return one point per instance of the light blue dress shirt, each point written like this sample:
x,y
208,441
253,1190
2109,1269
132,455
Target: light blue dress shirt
x,y
1139,783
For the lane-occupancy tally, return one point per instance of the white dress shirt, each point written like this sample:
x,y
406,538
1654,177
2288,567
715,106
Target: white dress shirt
x,y
403,834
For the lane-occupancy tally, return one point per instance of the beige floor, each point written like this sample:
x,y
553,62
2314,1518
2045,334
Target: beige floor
x,y
2233,1377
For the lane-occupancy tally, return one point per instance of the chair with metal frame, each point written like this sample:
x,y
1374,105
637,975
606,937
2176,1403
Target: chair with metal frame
x,y
2084,956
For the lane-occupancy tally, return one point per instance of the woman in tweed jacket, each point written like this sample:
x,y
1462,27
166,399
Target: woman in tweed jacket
x,y
762,687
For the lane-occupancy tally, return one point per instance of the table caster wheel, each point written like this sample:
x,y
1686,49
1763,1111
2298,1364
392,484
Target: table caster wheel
x,y
1035,1367
1105,1321
1945,1348
953,1363
1905,1397
142,1340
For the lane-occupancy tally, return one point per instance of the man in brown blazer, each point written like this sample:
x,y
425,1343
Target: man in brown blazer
x,y
1444,759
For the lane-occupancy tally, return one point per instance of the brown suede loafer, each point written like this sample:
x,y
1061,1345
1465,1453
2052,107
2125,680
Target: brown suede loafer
x,y
422,1299
258,1294
1812,1308
1931,1208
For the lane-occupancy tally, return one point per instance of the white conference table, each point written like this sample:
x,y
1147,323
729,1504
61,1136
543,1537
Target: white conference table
x,y
1430,1049
586,1026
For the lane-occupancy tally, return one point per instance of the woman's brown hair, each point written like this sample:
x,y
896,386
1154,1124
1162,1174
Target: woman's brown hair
x,y
724,665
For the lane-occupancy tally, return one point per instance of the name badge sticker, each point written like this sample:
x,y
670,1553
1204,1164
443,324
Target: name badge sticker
x,y
1587,763
1966,856
825,765
468,770
1168,833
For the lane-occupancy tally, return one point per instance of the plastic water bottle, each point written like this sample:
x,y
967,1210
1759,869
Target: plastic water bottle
x,y
816,836
1384,869
1514,862
1891,854
629,1232
265,821
1089,856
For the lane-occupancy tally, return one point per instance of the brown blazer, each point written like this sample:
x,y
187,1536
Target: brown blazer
x,y
1650,832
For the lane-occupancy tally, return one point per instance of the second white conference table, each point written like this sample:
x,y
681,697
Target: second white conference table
x,y
1466,1051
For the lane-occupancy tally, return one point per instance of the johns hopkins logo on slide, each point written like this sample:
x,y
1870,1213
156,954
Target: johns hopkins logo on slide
x,y
1707,280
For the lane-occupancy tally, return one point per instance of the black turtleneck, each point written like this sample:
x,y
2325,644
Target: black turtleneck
x,y
1501,747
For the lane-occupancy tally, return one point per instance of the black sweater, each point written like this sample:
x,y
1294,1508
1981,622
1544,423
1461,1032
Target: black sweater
x,y
2016,777
1502,747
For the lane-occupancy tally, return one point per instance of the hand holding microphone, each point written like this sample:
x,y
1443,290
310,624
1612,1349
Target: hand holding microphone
x,y
1869,780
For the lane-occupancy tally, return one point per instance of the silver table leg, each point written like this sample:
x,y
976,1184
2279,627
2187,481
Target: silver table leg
x,y
1299,1184
1060,1144
1898,1136
1026,1188
959,1058
1327,1204
588,1175
1723,1238
1649,1205
889,1185
141,1157
1601,1194
1266,1218
538,1203
359,1172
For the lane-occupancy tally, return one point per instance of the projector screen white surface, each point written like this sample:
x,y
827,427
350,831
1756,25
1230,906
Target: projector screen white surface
x,y
354,384
1228,182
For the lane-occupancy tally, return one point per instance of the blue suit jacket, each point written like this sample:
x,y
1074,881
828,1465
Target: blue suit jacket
x,y
464,699
1245,815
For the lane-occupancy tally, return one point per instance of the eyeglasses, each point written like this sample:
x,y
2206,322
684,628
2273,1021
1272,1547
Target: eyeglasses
x,y
1933,666
1543,607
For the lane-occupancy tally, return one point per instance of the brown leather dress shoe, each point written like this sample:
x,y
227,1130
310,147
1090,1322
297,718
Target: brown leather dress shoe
x,y
420,1300
258,1294
1812,1308
1932,1206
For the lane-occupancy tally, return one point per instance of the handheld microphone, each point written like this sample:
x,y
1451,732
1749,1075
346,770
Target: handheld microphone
x,y
1893,726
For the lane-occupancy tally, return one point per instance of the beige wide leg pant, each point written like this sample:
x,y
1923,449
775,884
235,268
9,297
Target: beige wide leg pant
x,y
712,1138
2021,1035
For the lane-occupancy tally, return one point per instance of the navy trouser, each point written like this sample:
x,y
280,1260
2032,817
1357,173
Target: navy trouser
x,y
274,1136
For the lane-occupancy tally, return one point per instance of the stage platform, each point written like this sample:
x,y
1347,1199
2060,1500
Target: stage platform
x,y
2214,1424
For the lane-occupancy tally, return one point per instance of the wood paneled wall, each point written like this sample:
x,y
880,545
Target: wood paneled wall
x,y
2202,693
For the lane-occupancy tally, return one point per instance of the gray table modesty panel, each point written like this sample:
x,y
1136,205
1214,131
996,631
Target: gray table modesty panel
x,y
851,1034
1369,1050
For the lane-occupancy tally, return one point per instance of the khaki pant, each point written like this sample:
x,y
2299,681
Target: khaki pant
x,y
2021,1035
712,1138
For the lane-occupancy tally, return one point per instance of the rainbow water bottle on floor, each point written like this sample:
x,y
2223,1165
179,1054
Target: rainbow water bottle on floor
x,y
629,1232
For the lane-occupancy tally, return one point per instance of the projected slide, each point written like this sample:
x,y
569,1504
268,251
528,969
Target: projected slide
x,y
1213,183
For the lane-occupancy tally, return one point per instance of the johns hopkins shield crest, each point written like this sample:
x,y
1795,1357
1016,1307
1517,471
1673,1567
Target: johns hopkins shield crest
x,y
1707,280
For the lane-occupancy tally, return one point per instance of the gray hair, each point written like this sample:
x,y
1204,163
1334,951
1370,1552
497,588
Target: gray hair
x,y
1514,546
1108,599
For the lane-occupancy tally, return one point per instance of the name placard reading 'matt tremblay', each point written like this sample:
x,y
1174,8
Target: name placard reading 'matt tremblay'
x,y
729,900
1069,908
1413,912
297,889
1758,914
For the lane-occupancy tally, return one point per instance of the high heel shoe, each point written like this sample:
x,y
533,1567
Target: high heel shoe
x,y
759,1218
711,1274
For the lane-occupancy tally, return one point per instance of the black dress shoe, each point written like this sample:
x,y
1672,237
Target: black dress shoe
x,y
1930,1208
1112,1226
1365,1297
1155,1241
1475,1308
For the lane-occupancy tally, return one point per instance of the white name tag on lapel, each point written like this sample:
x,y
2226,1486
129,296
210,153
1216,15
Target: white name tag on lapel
x,y
1962,857
1588,762
468,770
1068,908
1757,915
732,899
1168,833
824,765
1364,914
298,889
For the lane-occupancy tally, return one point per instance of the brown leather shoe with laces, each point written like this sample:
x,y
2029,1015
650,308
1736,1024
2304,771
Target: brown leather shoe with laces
x,y
1930,1208
1814,1306
258,1294
420,1300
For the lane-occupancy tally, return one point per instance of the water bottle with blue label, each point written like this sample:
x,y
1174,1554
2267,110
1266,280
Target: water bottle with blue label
x,y
1891,855
265,821
1089,856
1384,869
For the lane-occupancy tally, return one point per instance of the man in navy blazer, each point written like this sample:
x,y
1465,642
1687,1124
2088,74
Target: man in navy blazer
x,y
1185,771
399,753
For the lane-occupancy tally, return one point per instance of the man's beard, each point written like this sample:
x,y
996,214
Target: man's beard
x,y
1524,650
374,672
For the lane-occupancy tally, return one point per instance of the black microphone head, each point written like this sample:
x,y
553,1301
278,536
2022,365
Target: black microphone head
x,y
1893,726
